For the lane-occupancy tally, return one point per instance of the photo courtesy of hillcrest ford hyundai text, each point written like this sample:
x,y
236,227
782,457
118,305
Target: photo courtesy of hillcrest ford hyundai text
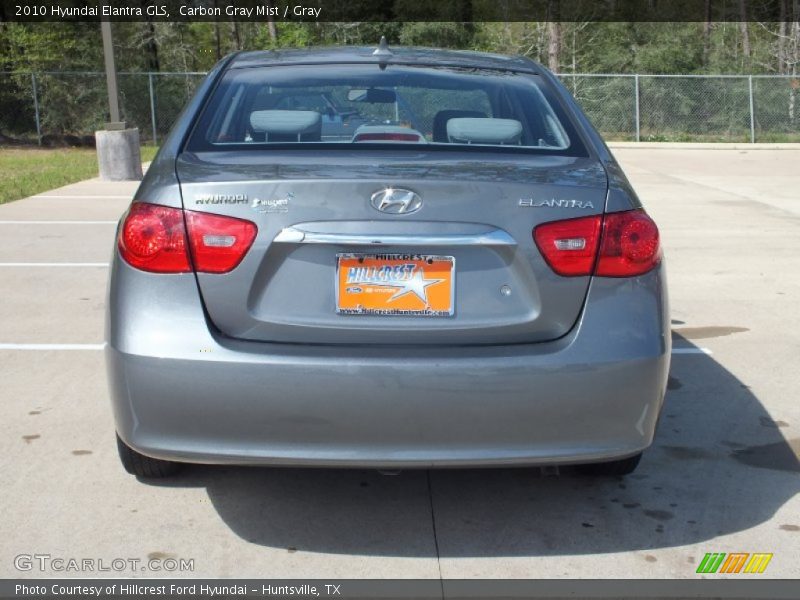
x,y
385,257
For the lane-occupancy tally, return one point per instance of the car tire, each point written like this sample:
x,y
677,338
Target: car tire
x,y
144,466
613,468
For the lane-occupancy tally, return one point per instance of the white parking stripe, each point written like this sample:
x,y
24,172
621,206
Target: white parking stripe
x,y
52,346
56,264
691,351
58,222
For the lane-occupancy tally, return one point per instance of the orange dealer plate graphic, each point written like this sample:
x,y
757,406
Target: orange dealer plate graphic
x,y
417,285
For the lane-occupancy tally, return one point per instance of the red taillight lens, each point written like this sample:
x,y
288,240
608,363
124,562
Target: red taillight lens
x,y
570,246
218,243
630,245
153,239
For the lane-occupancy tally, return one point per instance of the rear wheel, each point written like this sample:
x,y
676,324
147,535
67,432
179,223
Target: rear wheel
x,y
144,466
614,468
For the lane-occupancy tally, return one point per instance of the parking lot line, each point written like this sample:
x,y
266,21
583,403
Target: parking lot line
x,y
52,346
58,222
51,264
691,351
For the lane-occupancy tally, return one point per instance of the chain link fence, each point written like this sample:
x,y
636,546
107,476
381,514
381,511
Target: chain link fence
x,y
691,108
54,108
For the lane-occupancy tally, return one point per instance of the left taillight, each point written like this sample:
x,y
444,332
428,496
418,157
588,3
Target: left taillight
x,y
218,243
154,238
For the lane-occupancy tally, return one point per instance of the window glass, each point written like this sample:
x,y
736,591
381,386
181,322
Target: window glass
x,y
364,104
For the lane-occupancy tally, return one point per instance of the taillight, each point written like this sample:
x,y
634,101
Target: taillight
x,y
218,243
630,245
570,246
154,238
620,244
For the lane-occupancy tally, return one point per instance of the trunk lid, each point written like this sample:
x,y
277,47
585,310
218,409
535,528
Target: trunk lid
x,y
479,209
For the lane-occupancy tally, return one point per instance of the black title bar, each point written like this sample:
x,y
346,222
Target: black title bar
x,y
396,589
398,10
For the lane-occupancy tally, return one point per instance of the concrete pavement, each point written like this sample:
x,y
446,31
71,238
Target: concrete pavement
x,y
723,475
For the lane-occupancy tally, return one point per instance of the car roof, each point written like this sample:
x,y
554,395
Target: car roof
x,y
399,55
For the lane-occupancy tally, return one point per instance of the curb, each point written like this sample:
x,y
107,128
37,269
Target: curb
x,y
702,146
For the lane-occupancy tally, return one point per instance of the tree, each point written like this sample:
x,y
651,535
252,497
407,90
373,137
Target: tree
x,y
744,28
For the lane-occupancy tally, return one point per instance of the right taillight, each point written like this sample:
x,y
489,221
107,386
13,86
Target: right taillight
x,y
620,244
570,246
629,245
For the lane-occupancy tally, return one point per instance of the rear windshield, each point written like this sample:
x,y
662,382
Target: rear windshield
x,y
399,106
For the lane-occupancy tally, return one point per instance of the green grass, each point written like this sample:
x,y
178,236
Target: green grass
x,y
28,171
148,153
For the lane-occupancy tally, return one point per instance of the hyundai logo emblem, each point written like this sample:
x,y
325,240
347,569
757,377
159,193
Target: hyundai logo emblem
x,y
396,201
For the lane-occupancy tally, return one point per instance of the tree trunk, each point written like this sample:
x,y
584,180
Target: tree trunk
x,y
794,58
553,45
150,43
743,27
217,37
574,50
236,36
707,33
553,36
153,62
782,31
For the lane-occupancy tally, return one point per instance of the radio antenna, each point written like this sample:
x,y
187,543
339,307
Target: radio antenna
x,y
383,48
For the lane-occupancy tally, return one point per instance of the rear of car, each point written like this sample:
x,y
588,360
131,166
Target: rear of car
x,y
425,259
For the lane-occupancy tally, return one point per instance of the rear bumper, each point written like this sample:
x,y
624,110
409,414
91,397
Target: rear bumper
x,y
180,393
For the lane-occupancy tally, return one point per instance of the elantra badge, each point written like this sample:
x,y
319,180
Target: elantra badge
x,y
553,203
396,201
